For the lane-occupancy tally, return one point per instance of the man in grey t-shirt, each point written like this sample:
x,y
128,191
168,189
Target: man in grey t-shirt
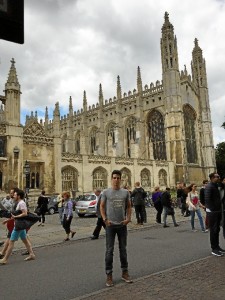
x,y
115,210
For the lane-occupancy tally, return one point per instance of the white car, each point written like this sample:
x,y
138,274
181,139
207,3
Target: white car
x,y
87,205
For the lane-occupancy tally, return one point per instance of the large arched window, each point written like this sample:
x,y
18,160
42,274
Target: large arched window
x,y
110,136
190,138
69,179
2,146
100,177
63,143
93,140
126,177
130,129
162,178
145,179
156,133
77,143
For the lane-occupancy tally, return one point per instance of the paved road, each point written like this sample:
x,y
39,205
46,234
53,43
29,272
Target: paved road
x,y
66,271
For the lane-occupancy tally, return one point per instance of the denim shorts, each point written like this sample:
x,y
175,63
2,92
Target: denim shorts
x,y
16,234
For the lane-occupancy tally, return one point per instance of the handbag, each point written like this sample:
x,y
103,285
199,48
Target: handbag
x,y
170,211
26,222
37,210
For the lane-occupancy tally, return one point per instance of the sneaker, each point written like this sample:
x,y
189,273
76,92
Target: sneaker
x,y
94,237
3,261
30,257
165,226
217,252
194,230
109,280
221,250
176,225
126,277
204,231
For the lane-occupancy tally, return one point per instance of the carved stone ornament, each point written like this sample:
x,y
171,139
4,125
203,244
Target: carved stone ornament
x,y
124,161
34,133
144,162
71,157
98,159
161,164
2,129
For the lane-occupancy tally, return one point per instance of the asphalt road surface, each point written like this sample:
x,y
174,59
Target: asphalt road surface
x,y
76,268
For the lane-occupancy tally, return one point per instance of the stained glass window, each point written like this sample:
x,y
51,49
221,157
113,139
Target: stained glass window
x,y
156,132
69,179
100,178
130,134
190,137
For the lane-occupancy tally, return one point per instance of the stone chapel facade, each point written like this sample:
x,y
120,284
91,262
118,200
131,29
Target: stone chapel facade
x,y
157,134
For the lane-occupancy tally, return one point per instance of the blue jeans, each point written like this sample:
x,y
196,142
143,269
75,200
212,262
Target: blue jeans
x,y
198,212
111,231
165,214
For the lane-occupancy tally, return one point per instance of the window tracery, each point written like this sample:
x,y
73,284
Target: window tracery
x,y
125,177
100,177
69,179
190,136
145,179
162,178
130,134
156,133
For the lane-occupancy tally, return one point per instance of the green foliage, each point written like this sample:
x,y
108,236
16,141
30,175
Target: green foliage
x,y
220,157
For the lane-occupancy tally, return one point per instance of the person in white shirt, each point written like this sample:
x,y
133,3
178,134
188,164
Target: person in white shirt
x,y
21,206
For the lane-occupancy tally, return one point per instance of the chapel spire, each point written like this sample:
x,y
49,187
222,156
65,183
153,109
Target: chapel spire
x,y
12,81
198,66
70,106
169,46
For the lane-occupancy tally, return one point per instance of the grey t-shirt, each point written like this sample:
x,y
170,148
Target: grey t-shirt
x,y
115,204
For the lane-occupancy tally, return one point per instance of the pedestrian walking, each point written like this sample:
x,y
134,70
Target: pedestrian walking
x,y
156,199
214,212
42,207
67,215
194,205
116,209
202,200
60,201
181,198
139,195
168,208
21,211
100,223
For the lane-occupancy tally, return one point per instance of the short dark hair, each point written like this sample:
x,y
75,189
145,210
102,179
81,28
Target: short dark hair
x,y
212,175
20,193
167,189
205,181
117,172
43,192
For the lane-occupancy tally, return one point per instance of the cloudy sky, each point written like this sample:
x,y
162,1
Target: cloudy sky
x,y
73,45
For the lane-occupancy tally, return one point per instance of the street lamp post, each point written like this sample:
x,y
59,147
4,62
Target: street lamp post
x,y
27,174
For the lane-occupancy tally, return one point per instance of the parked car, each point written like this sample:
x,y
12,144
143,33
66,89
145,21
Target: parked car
x,y
86,205
52,205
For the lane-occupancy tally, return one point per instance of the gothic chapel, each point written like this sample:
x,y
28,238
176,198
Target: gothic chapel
x,y
157,134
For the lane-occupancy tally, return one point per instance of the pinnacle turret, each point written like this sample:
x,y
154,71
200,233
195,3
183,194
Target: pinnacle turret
x,y
85,101
119,90
139,81
12,82
101,98
70,106
198,66
169,46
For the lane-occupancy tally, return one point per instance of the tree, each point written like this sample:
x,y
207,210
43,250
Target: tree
x,y
220,158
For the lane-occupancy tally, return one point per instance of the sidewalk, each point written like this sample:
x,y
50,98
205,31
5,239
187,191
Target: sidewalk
x,y
202,280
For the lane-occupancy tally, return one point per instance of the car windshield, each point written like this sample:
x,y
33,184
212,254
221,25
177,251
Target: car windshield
x,y
88,198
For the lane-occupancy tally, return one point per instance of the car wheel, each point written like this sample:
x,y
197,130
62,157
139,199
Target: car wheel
x,y
81,215
51,211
